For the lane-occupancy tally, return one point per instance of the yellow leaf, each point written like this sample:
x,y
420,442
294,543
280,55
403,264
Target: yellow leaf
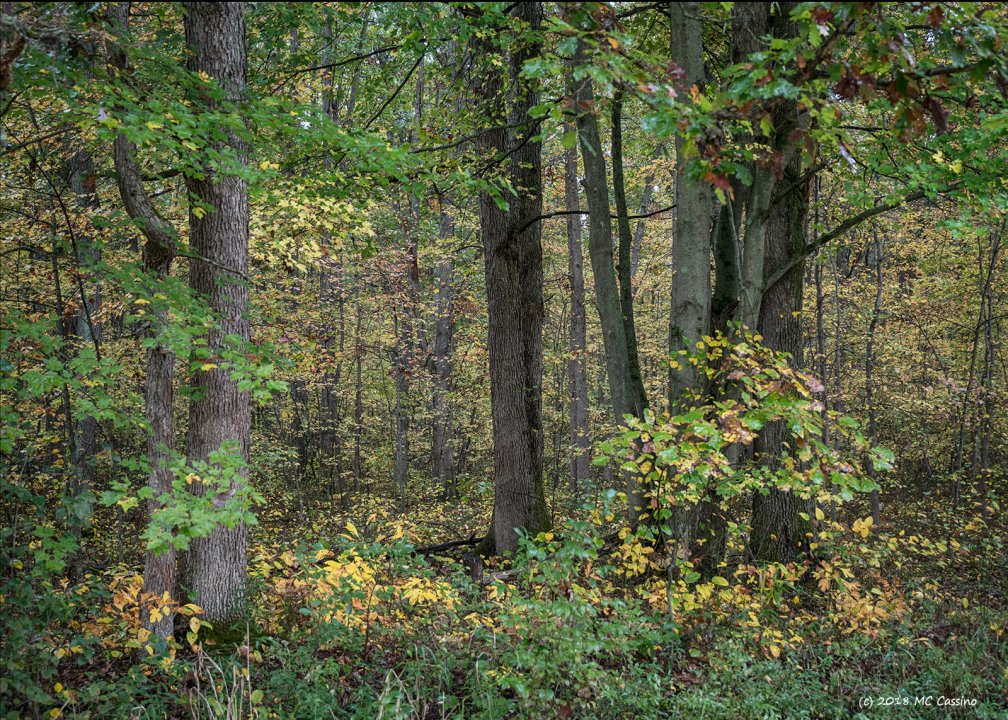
x,y
208,366
861,527
819,514
153,125
775,651
194,624
352,529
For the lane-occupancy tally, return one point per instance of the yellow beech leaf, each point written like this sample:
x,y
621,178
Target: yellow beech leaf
x,y
861,527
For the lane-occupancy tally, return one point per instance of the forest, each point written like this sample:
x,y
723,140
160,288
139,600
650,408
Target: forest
x,y
503,360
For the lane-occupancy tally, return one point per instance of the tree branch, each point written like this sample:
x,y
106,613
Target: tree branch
x,y
840,230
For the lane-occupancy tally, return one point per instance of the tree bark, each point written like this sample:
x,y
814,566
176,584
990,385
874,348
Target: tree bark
x,y
778,531
442,451
159,402
580,470
876,505
219,412
624,267
80,172
691,248
624,397
514,276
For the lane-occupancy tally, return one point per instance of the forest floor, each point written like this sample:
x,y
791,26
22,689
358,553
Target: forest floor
x,y
346,619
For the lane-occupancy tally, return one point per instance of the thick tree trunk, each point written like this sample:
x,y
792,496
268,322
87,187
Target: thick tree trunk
x,y
691,248
778,532
689,314
219,412
577,379
514,276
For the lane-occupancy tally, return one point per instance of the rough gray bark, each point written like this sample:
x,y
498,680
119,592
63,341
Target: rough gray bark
x,y
159,402
514,276
778,532
577,377
749,25
691,249
219,412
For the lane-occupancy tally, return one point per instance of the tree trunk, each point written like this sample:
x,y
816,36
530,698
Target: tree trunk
x,y
624,397
778,532
576,371
691,249
358,395
624,272
159,251
514,276
870,368
219,412
80,172
442,452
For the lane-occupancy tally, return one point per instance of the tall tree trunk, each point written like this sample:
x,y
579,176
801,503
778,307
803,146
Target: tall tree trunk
x,y
577,378
689,314
623,267
624,397
778,529
330,464
870,367
159,402
442,452
514,277
731,277
358,395
749,24
219,412
691,248
80,172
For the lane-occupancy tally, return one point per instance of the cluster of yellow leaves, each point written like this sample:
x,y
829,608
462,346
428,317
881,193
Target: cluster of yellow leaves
x,y
634,556
120,625
304,225
350,589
